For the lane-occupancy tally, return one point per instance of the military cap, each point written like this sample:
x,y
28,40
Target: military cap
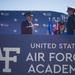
x,y
28,14
71,8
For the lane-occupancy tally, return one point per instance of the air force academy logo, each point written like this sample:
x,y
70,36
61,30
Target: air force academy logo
x,y
7,58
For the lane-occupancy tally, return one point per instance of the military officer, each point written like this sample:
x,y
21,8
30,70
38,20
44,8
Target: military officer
x,y
71,21
27,25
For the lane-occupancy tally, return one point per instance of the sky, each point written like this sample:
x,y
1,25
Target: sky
x,y
41,5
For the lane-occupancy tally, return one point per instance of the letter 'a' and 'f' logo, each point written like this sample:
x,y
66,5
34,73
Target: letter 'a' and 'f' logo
x,y
7,58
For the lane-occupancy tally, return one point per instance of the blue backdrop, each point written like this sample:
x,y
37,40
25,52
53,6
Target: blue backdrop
x,y
10,21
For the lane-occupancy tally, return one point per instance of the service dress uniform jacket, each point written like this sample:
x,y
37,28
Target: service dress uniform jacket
x,y
71,25
25,29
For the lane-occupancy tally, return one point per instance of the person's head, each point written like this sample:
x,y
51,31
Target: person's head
x,y
28,16
70,11
61,22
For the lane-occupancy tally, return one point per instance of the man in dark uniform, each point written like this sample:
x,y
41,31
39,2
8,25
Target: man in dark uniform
x,y
71,21
27,25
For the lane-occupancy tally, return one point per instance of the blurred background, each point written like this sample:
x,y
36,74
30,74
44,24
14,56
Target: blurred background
x,y
45,5
10,21
44,11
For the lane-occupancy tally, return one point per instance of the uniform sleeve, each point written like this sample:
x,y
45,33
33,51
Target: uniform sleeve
x,y
23,27
74,22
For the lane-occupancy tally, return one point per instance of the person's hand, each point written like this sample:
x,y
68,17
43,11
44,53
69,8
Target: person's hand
x,y
35,25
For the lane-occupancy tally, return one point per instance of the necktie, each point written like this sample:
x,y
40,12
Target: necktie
x,y
29,23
